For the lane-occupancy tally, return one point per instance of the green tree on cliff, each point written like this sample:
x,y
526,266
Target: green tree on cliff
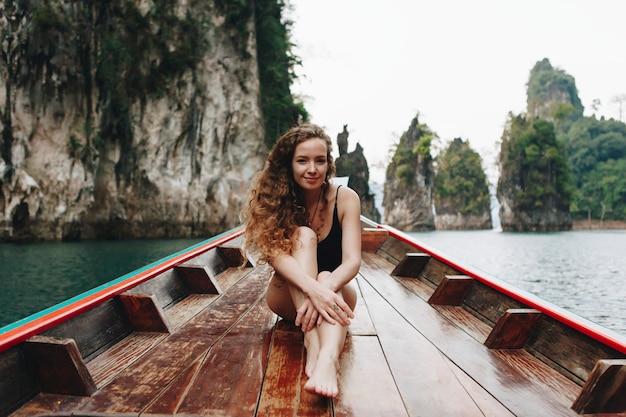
x,y
597,155
460,182
552,94
534,174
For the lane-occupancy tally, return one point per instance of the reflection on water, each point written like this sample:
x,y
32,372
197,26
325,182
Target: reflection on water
x,y
581,271
36,276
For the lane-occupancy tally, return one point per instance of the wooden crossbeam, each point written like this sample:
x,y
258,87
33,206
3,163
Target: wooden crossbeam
x,y
144,313
411,265
513,329
605,389
59,366
232,256
451,290
198,278
372,239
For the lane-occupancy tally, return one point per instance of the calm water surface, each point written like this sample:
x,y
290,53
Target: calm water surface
x,y
581,271
36,276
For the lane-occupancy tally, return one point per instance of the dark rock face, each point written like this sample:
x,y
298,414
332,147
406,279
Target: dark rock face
x,y
407,201
172,163
354,166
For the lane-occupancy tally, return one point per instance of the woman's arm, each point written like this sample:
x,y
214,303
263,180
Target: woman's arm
x,y
319,298
350,218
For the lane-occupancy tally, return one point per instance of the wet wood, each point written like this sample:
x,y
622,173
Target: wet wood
x,y
578,359
198,278
366,384
228,355
362,324
144,314
283,393
17,382
411,265
372,239
59,366
232,255
605,390
110,363
423,375
95,330
518,393
227,380
452,290
513,329
135,389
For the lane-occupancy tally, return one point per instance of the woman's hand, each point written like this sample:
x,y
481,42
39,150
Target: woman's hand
x,y
327,305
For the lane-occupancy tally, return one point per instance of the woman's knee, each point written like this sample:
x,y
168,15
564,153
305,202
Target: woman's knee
x,y
349,295
305,237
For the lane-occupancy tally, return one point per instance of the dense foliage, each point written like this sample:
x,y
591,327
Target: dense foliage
x,y
276,69
597,155
552,93
596,149
460,182
533,163
128,55
414,146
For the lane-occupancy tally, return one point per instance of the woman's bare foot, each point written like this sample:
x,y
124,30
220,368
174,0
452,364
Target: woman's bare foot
x,y
312,347
324,378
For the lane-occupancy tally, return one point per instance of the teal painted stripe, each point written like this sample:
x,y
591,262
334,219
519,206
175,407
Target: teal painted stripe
x,y
104,286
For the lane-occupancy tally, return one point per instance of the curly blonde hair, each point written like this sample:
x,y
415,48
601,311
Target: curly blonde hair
x,y
275,206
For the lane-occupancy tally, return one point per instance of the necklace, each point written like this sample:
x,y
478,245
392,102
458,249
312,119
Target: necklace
x,y
315,212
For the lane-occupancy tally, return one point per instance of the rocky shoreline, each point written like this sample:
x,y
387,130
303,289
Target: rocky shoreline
x,y
595,224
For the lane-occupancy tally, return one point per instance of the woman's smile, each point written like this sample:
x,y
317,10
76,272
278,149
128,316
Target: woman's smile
x,y
310,163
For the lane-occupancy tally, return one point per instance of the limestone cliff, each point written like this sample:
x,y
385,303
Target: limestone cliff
x,y
534,188
354,166
552,94
461,192
105,142
407,201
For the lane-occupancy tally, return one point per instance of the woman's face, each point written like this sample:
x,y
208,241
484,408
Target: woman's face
x,y
310,164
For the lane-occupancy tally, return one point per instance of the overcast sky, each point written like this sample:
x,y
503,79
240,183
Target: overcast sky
x,y
462,64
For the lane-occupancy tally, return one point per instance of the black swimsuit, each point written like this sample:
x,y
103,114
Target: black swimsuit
x,y
329,249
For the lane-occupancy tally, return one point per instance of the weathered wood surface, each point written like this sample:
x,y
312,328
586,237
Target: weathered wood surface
x,y
228,355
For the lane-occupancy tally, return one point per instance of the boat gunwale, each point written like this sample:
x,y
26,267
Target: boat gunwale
x,y
21,330
601,334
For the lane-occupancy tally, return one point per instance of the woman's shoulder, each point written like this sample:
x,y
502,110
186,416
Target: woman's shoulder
x,y
347,197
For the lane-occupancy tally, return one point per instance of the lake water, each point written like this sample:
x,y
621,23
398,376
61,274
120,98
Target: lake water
x,y
40,275
582,271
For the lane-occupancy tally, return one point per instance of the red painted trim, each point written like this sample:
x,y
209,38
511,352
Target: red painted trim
x,y
41,324
580,324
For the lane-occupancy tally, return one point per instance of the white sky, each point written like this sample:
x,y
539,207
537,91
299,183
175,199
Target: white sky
x,y
462,64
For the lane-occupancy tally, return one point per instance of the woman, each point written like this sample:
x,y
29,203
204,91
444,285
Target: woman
x,y
309,231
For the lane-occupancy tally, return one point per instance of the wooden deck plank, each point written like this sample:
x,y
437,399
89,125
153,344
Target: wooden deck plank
x,y
113,361
183,311
487,404
283,394
517,392
49,404
366,386
230,377
229,381
137,387
362,323
423,375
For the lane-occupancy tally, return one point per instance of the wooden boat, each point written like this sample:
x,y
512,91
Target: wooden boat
x,y
192,335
